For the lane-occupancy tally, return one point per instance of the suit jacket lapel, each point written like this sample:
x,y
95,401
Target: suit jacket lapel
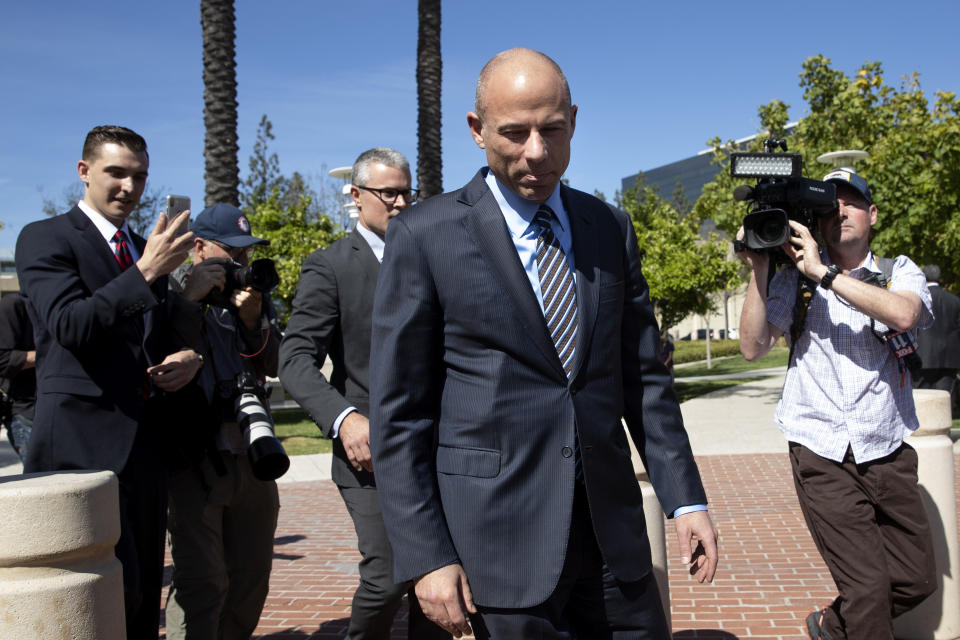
x,y
369,265
486,225
585,252
100,266
99,249
159,289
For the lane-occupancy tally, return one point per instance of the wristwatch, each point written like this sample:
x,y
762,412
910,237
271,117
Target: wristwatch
x,y
827,280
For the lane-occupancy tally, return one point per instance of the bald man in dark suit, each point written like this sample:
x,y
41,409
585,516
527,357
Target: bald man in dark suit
x,y
512,331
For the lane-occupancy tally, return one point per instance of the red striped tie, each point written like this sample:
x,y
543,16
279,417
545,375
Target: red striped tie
x,y
122,251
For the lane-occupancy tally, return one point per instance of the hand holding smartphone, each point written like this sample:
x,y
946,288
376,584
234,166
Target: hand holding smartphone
x,y
176,205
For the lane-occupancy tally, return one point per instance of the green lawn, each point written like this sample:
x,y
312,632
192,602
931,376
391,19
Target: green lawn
x,y
299,435
691,390
776,358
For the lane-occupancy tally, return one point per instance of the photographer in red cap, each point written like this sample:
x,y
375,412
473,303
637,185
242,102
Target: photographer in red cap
x,y
846,407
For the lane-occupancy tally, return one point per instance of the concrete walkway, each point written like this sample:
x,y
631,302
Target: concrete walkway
x,y
737,419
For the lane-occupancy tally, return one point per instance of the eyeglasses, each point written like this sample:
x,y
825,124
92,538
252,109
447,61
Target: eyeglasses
x,y
389,196
235,253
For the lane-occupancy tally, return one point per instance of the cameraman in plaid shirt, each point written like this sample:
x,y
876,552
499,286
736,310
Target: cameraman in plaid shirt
x,y
846,407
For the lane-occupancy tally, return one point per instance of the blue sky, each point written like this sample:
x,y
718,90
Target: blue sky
x,y
654,81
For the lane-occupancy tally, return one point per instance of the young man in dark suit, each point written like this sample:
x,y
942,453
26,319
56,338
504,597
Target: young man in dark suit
x,y
331,316
512,330
97,296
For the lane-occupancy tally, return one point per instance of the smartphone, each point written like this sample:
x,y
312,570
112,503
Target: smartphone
x,y
176,204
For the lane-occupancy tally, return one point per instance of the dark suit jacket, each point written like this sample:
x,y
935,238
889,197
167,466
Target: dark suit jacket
x,y
939,346
94,342
461,353
331,316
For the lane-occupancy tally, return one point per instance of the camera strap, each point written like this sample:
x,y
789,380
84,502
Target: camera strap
x,y
903,344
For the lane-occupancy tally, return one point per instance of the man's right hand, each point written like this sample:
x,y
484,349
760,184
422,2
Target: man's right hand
x,y
444,594
204,277
355,435
165,250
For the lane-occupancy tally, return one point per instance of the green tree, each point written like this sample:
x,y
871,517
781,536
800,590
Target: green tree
x,y
288,213
293,234
220,149
263,174
914,163
682,267
680,201
429,73
264,178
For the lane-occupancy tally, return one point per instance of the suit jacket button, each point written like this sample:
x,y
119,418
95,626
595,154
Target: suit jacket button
x,y
566,452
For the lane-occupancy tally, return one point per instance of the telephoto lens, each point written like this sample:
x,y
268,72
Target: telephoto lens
x,y
267,458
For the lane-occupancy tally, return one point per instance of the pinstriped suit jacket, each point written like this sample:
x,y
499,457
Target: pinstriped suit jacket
x,y
473,418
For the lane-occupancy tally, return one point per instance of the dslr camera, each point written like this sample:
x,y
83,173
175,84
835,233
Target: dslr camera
x,y
245,397
260,274
780,195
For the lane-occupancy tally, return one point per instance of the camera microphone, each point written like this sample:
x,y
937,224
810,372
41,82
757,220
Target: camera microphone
x,y
743,192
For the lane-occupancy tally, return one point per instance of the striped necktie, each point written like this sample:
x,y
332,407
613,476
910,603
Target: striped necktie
x,y
559,303
121,251
556,287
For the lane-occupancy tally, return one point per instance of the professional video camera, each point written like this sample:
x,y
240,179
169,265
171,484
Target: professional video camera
x,y
247,394
781,194
260,274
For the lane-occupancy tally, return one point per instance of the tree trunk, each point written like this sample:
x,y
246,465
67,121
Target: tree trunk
x,y
221,173
429,68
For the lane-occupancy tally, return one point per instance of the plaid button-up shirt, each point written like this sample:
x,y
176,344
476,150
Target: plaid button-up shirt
x,y
843,387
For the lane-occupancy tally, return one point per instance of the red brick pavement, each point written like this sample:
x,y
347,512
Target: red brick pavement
x,y
770,575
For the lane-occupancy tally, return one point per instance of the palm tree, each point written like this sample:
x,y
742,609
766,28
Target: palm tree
x,y
429,67
222,173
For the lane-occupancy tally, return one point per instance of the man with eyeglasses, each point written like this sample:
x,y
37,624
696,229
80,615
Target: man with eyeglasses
x,y
222,518
332,315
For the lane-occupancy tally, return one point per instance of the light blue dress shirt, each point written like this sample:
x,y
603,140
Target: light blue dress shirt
x,y
518,213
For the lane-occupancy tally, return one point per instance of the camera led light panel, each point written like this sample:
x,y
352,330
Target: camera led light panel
x,y
765,165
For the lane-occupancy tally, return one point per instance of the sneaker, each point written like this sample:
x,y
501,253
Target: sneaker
x,y
813,623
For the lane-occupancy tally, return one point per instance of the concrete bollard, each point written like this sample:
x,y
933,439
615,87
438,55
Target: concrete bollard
x,y
938,617
59,577
656,534
658,542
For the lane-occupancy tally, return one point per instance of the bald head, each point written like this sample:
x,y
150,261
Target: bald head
x,y
517,61
524,121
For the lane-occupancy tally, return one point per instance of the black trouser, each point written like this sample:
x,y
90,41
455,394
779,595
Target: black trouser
x,y
377,599
140,549
870,526
588,603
